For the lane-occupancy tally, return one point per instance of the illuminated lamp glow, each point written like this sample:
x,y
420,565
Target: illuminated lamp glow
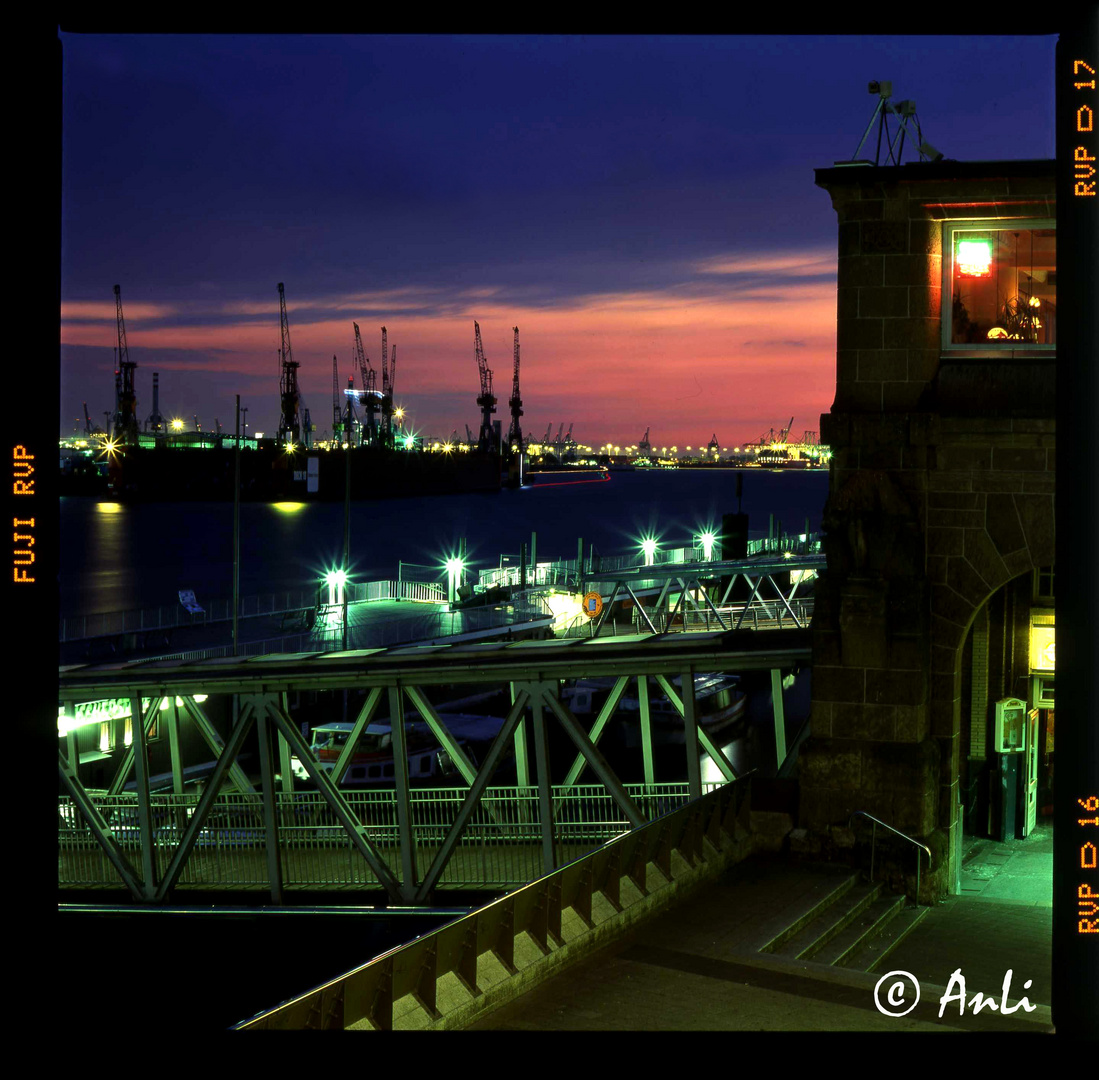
x,y
997,333
108,508
974,258
1043,648
288,507
454,566
335,577
409,442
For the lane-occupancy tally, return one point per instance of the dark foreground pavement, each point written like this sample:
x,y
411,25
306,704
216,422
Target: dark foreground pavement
x,y
698,967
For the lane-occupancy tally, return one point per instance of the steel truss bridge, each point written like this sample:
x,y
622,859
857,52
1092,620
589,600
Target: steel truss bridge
x,y
162,842
770,603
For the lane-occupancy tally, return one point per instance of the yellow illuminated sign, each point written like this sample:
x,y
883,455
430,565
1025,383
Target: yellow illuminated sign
x,y
1042,648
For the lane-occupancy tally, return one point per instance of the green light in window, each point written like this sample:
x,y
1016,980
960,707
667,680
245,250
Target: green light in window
x,y
974,258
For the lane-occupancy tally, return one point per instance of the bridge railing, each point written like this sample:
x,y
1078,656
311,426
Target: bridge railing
x,y
109,624
561,574
500,847
564,573
327,633
630,874
760,615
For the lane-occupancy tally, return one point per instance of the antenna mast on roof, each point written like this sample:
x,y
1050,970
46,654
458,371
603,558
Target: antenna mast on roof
x,y
906,112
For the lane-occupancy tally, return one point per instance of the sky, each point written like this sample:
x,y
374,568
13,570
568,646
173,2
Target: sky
x,y
642,208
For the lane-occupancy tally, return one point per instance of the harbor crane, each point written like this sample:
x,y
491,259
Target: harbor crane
x,y
337,415
369,397
89,428
515,434
154,422
387,390
290,423
349,417
644,446
546,437
125,416
486,400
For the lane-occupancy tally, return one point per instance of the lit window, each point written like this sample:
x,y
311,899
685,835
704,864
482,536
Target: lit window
x,y
1002,282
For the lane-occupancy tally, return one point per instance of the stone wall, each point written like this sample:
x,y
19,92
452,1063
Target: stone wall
x,y
941,491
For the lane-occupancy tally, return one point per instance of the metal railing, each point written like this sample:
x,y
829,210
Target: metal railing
x,y
500,846
760,615
327,633
111,623
896,832
631,873
562,574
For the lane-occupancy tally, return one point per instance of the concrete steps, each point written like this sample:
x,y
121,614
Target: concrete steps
x,y
842,922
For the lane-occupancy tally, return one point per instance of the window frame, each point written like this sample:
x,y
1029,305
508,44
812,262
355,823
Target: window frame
x,y
1003,347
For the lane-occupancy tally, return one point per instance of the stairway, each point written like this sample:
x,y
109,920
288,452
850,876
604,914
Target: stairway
x,y
844,922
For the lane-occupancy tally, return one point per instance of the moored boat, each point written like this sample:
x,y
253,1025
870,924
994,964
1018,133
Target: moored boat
x,y
374,762
719,704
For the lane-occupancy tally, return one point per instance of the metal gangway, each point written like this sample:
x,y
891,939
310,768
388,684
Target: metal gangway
x,y
280,837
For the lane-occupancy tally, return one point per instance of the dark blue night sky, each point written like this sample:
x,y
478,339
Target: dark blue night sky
x,y
642,208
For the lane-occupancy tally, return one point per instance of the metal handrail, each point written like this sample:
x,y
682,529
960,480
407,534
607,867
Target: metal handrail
x,y
903,836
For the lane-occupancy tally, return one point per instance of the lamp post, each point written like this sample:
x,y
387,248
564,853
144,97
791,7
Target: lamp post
x,y
454,568
706,541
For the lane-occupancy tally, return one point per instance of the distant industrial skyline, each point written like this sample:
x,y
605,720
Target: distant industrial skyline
x,y
642,208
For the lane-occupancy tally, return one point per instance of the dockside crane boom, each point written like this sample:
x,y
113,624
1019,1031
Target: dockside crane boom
x,y
546,437
370,397
784,437
337,414
515,403
89,427
290,423
125,417
486,401
387,392
349,417
154,422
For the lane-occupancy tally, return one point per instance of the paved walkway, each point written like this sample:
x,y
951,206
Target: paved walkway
x,y
697,967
